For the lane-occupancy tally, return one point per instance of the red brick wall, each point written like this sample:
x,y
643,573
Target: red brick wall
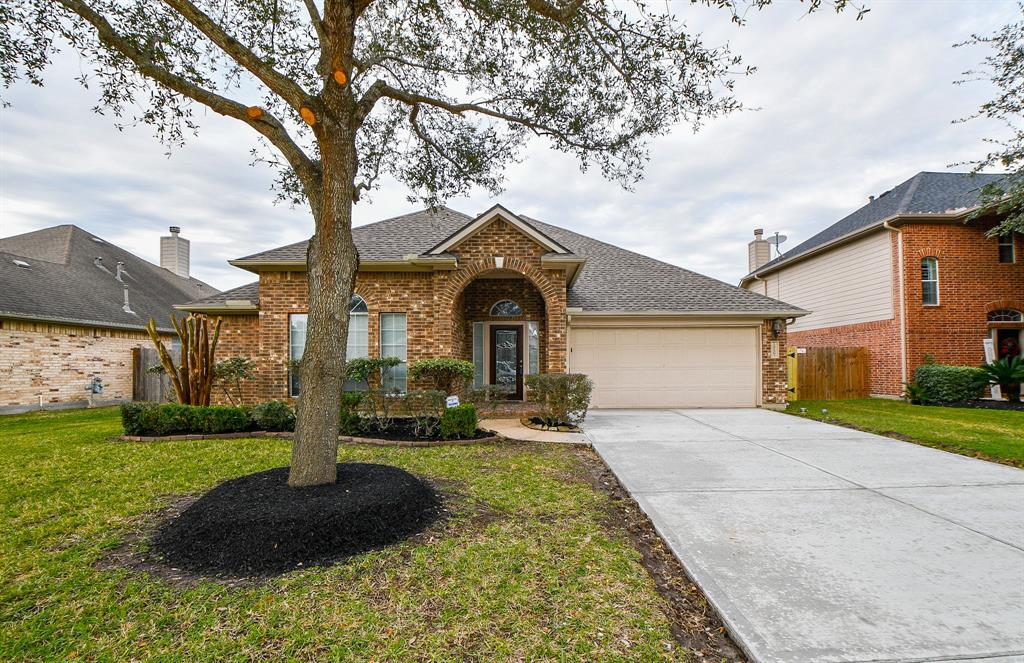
x,y
972,282
432,301
881,338
773,369
480,295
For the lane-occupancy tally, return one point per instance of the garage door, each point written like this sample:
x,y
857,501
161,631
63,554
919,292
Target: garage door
x,y
668,367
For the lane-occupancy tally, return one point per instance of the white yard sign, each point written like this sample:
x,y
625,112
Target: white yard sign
x,y
990,356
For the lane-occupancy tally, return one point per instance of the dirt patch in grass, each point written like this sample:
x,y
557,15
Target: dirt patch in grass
x,y
694,623
256,525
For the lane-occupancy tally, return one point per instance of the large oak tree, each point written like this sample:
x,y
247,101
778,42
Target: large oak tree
x,y
440,94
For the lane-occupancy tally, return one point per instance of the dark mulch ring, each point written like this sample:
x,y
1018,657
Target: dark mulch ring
x,y
985,404
542,424
256,525
403,430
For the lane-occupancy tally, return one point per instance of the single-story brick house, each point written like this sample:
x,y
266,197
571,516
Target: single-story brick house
x,y
908,276
72,308
517,296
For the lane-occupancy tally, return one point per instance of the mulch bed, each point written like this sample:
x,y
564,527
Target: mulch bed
x,y
402,430
256,525
983,404
693,621
537,423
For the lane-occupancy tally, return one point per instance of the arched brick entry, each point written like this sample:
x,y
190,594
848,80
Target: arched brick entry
x,y
550,284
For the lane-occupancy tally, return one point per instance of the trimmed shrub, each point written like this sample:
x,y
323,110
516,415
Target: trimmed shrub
x,y
941,383
562,397
369,370
176,419
458,422
447,375
274,416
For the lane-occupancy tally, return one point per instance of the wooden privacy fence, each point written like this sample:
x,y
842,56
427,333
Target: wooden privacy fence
x,y
148,386
828,374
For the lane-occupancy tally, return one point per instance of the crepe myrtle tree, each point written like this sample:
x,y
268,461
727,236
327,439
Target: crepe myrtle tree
x,y
439,94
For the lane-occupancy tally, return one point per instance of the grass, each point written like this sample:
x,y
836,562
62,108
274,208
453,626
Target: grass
x,y
991,434
545,577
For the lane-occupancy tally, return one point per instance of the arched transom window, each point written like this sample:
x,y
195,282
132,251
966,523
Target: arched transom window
x,y
1005,315
358,328
506,308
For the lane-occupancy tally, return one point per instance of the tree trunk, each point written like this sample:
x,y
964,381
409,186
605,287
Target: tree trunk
x,y
331,267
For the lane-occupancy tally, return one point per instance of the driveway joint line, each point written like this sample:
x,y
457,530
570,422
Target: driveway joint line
x,y
876,491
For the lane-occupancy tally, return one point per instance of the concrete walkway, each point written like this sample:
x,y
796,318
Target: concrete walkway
x,y
817,543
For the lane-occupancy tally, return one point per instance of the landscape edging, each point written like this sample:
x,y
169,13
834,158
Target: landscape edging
x,y
343,439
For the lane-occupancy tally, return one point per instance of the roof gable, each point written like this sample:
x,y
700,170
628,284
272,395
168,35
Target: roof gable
x,y
487,218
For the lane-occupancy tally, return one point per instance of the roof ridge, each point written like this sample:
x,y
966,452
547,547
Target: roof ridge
x,y
908,197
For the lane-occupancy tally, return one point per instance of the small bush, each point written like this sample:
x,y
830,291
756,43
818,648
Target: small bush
x,y
458,422
426,409
274,416
1007,372
377,408
138,418
447,375
941,383
481,396
562,397
351,422
369,370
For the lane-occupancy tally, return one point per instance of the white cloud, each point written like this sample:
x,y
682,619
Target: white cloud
x,y
846,109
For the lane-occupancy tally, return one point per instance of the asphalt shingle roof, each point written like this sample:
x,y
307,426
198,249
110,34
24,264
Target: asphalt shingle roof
x,y
62,282
613,279
924,193
249,291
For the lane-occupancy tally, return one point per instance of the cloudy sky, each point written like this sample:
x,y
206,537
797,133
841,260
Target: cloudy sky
x,y
845,109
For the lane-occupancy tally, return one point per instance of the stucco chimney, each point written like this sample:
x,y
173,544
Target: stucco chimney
x,y
174,252
759,251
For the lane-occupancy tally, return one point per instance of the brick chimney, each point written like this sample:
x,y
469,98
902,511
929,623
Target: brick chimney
x,y
759,251
174,253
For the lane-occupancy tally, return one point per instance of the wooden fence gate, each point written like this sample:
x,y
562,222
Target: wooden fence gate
x,y
828,374
148,386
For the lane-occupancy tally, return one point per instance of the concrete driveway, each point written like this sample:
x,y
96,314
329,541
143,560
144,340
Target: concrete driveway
x,y
819,543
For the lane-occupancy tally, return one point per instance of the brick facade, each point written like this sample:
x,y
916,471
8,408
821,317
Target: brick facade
x,y
972,282
42,363
773,368
440,307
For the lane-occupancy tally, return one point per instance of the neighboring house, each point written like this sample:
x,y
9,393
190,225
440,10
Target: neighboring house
x,y
72,307
516,297
908,276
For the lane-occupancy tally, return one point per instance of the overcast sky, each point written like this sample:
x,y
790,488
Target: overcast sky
x,y
847,109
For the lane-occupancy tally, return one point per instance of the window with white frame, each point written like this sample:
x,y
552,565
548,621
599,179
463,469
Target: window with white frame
x,y
393,339
1006,249
930,281
296,345
1005,315
357,346
478,354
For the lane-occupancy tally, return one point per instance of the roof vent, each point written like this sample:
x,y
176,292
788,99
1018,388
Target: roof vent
x,y
97,240
871,199
21,263
126,308
120,270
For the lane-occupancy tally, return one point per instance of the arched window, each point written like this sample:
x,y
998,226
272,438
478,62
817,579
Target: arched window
x,y
1005,315
358,345
506,308
930,281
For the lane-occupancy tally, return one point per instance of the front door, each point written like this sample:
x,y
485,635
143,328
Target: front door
x,y
507,358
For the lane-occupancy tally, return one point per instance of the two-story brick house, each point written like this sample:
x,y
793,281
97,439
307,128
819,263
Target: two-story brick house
x,y
908,276
517,296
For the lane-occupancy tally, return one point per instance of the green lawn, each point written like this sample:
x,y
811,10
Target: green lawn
x,y
545,576
992,434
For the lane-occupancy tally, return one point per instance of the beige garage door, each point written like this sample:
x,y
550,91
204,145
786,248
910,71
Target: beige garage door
x,y
668,367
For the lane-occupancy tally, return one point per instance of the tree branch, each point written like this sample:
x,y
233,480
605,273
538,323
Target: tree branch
x,y
278,83
265,124
317,20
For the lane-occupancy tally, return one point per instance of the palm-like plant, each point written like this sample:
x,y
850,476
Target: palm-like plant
x,y
1007,372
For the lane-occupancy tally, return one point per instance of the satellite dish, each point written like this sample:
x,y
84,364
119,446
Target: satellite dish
x,y
776,241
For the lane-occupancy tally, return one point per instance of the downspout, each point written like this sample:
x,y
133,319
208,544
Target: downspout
x,y
903,300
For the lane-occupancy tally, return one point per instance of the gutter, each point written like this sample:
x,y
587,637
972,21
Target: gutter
x,y
788,313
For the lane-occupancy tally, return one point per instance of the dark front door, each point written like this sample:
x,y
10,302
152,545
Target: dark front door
x,y
507,358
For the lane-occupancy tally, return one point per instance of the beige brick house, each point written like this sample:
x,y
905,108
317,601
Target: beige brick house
x,y
517,296
909,275
72,308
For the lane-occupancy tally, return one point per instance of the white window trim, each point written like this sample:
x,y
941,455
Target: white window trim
x,y
380,341
938,289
